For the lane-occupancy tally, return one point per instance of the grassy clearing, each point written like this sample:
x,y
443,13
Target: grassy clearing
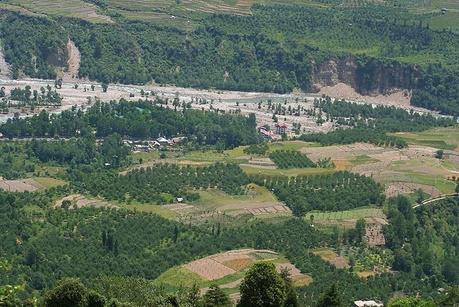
x,y
354,214
442,184
290,145
178,277
213,199
150,208
253,170
441,138
48,182
362,159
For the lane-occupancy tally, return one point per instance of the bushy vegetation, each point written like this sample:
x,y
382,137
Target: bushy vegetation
x,y
14,162
290,159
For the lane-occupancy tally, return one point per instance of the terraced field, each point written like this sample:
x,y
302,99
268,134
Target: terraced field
x,y
68,8
226,270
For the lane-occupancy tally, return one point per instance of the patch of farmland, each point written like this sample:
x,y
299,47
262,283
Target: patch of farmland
x,y
238,7
397,188
29,184
227,270
347,219
440,138
68,8
330,256
78,201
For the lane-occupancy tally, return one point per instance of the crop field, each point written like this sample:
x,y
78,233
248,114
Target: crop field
x,y
226,270
348,214
330,256
68,8
29,184
441,138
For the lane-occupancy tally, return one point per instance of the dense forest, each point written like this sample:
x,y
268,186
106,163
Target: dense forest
x,y
139,120
277,48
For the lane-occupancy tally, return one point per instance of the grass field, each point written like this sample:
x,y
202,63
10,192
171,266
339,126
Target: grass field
x,y
441,138
214,199
354,214
150,208
48,182
253,170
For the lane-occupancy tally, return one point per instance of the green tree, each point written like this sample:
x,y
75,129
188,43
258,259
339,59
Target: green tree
x,y
262,286
411,302
215,297
69,292
330,298
291,299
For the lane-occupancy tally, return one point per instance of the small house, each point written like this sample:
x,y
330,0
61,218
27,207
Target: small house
x,y
163,141
281,128
266,133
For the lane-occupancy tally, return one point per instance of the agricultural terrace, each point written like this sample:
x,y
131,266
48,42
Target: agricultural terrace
x,y
226,270
362,261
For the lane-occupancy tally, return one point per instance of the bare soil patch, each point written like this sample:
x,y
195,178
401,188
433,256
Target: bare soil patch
x,y
397,188
396,97
73,62
331,257
4,66
19,185
80,201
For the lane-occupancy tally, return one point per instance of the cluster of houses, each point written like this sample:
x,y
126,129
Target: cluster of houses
x,y
270,135
150,145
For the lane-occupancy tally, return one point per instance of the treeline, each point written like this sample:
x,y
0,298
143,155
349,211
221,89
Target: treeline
x,y
285,159
28,97
245,52
139,120
385,118
349,136
335,192
110,153
162,183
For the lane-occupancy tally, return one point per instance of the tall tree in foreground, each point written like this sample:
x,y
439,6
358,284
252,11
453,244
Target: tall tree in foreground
x,y
262,286
330,298
215,297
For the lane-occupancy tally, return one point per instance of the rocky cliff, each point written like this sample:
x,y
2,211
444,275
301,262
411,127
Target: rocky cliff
x,y
367,76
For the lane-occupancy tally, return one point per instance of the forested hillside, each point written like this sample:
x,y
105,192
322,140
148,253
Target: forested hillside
x,y
277,48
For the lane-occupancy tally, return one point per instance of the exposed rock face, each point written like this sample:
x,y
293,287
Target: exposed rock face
x,y
5,69
367,76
